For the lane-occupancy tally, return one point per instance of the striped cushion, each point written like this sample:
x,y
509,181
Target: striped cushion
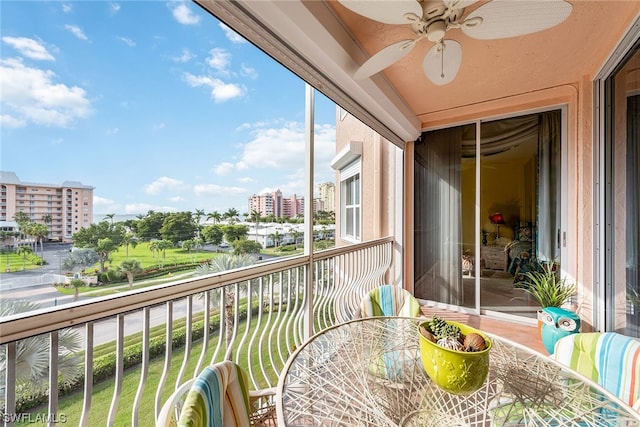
x,y
218,397
389,300
609,358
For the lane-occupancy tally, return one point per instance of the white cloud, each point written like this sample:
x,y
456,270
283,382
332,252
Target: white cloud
x,y
101,204
127,41
29,48
185,57
164,184
76,31
176,199
220,91
217,190
10,122
159,126
67,7
246,180
31,95
248,71
183,14
219,59
143,208
223,168
231,35
115,7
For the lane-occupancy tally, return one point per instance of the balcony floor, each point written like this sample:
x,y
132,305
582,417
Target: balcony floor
x,y
517,332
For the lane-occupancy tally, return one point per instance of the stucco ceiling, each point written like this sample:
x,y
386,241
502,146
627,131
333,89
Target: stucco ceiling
x,y
492,69
325,43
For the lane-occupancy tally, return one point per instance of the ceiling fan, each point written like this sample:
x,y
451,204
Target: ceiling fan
x,y
432,19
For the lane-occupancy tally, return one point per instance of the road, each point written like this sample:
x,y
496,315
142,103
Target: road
x,y
20,286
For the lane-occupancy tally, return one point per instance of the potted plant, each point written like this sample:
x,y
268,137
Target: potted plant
x,y
546,285
454,355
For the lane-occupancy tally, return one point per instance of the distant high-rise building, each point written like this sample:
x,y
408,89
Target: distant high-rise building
x,y
276,205
65,208
327,197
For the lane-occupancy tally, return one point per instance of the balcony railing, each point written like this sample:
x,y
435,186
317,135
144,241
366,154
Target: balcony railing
x,y
256,316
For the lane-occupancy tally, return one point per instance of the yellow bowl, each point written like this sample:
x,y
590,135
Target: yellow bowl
x,y
457,372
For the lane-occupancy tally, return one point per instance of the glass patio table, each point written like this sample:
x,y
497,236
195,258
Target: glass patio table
x,y
367,372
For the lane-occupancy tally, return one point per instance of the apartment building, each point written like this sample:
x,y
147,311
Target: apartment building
x,y
326,197
65,208
277,205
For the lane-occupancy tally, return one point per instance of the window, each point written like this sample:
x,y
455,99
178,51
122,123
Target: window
x,y
350,201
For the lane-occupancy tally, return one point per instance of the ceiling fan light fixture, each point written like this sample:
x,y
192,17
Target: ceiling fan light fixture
x,y
442,62
436,31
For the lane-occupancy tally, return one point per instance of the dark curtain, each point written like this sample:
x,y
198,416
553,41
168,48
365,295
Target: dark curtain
x,y
437,228
633,214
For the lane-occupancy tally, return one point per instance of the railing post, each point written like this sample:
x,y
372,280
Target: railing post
x,y
308,209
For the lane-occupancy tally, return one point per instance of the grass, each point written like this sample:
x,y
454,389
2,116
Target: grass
x,y
14,262
71,406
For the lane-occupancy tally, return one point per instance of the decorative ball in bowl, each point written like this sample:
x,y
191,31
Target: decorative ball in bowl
x,y
454,355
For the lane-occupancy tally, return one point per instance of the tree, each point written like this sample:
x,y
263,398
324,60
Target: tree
x,y
103,249
130,267
80,259
32,354
149,225
295,234
163,245
76,284
39,232
110,217
47,219
177,227
213,234
235,232
215,216
90,236
255,217
232,215
223,263
129,239
275,236
23,251
189,245
246,246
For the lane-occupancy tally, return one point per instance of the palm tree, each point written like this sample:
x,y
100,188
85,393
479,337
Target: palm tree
x,y
110,217
223,263
39,232
215,216
153,247
130,267
275,236
23,251
295,234
197,216
163,245
129,239
47,219
189,245
32,354
232,215
255,217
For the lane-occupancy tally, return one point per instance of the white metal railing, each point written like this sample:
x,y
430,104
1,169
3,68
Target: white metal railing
x,y
255,316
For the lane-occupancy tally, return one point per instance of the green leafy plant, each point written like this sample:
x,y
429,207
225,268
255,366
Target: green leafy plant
x,y
546,286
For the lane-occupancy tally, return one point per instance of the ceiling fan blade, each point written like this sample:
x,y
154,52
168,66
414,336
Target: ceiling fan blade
x,y
442,62
502,19
458,4
384,58
388,11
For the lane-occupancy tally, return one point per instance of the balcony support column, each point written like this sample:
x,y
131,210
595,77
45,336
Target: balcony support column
x,y
308,210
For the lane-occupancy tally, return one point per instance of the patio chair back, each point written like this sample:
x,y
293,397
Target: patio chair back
x,y
389,300
608,358
218,397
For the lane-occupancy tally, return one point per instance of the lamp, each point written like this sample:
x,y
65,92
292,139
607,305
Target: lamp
x,y
498,220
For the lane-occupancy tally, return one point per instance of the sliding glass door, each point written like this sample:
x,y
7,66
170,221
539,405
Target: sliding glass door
x,y
487,210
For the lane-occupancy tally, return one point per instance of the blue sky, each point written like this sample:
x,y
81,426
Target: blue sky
x,y
157,105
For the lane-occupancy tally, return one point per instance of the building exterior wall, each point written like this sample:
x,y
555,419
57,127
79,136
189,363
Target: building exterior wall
x,y
274,204
69,205
327,196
